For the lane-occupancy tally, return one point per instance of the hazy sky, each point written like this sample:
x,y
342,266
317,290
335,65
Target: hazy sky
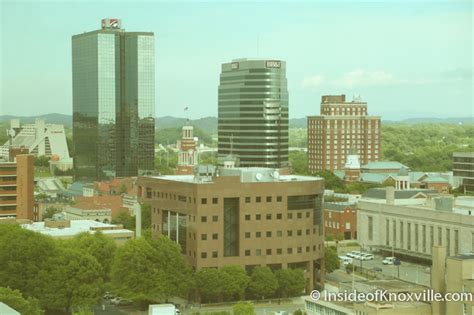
x,y
406,59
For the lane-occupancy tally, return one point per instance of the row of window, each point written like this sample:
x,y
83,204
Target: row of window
x,y
268,252
279,216
279,233
150,194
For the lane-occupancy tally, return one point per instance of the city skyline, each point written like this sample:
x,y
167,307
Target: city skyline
x,y
415,73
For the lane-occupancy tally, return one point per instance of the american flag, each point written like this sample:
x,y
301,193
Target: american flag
x,y
186,108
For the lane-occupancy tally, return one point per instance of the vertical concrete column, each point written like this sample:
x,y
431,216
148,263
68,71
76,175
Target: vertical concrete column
x,y
310,268
438,281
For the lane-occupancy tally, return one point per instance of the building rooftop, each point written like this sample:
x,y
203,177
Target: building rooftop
x,y
338,206
435,179
246,174
375,165
77,226
380,193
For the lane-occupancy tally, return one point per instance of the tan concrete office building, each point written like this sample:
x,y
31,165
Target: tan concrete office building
x,y
240,216
341,126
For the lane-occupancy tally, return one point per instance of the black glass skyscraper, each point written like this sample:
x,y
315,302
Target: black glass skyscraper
x,y
113,74
253,113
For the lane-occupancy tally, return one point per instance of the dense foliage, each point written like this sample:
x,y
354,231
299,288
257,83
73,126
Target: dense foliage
x,y
15,300
331,260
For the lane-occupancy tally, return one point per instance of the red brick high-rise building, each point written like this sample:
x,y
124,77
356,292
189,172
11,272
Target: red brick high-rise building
x,y
340,127
17,188
187,156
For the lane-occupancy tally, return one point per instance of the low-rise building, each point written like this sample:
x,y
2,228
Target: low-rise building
x,y
88,211
340,219
240,216
412,230
64,229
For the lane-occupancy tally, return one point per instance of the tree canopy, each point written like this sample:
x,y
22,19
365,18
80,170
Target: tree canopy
x,y
263,282
331,260
15,300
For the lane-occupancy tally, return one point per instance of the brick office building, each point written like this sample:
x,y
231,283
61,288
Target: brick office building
x,y
244,216
17,188
341,127
340,218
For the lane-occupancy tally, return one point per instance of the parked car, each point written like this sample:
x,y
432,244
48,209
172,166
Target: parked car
x,y
345,260
388,260
108,295
357,255
351,254
367,257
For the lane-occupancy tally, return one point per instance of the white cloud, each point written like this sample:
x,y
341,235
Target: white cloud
x,y
361,77
313,81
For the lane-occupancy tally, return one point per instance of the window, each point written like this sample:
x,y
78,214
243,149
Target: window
x,y
203,255
279,198
290,215
258,217
247,234
279,251
203,237
289,250
204,219
247,199
214,254
307,231
247,217
215,218
203,201
269,198
299,215
258,252
215,236
258,199
308,214
258,234
247,252
215,200
269,251
307,249
279,233
299,232
279,216
269,234
269,216
290,233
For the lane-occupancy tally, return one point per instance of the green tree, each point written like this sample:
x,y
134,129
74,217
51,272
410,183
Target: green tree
x,y
23,255
42,161
126,219
331,181
122,189
73,280
211,284
150,270
237,281
331,260
299,162
243,308
263,282
146,216
15,300
101,247
49,212
291,282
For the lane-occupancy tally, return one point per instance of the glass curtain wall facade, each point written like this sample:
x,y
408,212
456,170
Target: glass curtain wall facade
x,y
113,103
253,113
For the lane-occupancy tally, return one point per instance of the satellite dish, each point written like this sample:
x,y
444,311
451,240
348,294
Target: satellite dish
x,y
258,176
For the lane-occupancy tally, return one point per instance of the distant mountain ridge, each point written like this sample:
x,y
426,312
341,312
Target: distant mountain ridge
x,y
209,124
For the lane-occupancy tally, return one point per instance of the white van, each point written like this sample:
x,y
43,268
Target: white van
x,y
388,260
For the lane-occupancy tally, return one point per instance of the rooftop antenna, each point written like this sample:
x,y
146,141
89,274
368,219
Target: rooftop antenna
x,y
187,116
